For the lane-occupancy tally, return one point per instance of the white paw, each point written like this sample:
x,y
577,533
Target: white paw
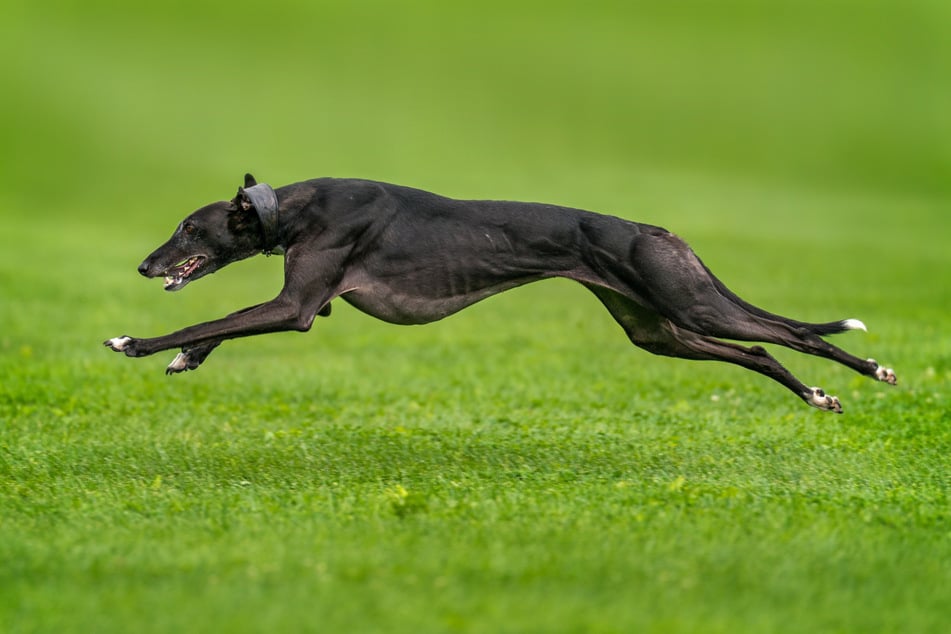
x,y
178,364
118,343
820,399
884,374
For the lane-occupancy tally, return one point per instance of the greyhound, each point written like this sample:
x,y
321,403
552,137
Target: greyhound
x,y
407,256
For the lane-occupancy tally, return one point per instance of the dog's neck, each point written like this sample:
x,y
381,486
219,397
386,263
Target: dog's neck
x,y
265,203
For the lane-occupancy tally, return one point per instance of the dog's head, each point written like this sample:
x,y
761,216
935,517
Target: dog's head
x,y
213,237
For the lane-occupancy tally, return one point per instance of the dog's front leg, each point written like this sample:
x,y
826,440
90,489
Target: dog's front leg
x,y
311,277
192,357
281,314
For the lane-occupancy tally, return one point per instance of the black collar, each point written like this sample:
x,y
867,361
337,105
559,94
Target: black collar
x,y
265,203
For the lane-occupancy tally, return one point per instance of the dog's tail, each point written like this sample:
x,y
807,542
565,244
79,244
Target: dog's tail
x,y
822,329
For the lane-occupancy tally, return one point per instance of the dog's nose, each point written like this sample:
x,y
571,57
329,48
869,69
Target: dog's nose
x,y
144,268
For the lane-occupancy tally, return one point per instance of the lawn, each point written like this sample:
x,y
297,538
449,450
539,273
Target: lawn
x,y
519,467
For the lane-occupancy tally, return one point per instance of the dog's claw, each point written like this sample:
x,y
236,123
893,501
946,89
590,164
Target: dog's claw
x,y
886,375
818,398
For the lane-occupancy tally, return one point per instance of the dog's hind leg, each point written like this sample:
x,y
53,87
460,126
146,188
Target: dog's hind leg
x,y
804,338
678,285
730,319
691,345
655,333
761,325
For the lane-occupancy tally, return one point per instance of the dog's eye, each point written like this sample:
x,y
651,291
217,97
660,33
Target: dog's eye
x,y
188,228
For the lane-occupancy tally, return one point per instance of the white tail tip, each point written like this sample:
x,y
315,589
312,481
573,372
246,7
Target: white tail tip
x,y
854,324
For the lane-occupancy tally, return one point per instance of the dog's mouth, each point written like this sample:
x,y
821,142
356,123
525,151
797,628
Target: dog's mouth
x,y
177,276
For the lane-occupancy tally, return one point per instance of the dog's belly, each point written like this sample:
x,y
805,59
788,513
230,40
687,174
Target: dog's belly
x,y
408,304
422,270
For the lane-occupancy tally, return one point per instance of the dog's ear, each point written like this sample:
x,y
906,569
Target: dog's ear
x,y
241,200
242,214
249,181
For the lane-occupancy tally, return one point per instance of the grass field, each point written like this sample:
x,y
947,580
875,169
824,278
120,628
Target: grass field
x,y
518,467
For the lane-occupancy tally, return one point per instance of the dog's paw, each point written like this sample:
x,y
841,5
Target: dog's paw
x,y
818,398
189,359
178,364
121,344
118,344
884,374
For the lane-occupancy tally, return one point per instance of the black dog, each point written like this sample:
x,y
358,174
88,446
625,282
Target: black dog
x,y
410,257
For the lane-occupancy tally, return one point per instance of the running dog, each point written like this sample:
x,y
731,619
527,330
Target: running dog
x,y
407,256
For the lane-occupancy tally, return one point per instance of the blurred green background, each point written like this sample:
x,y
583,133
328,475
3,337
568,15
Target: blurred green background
x,y
802,147
790,134
149,105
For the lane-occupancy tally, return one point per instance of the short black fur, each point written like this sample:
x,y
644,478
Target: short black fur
x,y
408,256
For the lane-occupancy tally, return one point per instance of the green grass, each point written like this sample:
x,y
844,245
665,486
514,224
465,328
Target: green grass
x,y
518,467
